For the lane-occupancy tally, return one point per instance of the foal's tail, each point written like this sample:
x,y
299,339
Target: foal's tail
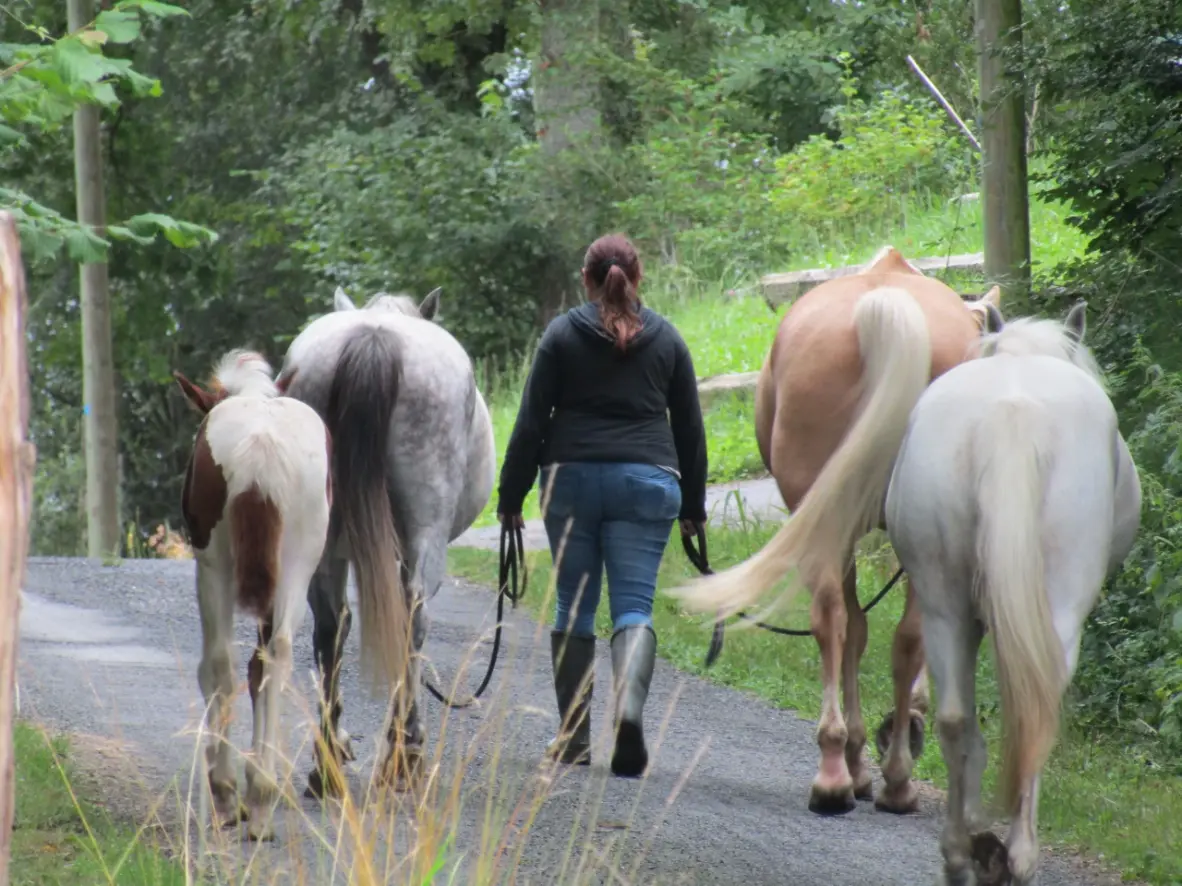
x,y
1012,595
360,403
845,502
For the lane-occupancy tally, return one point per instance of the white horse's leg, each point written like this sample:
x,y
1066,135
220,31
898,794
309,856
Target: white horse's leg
x,y
215,675
833,787
855,648
907,724
951,640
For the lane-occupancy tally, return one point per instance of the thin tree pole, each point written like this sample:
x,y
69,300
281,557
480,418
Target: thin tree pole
x,y
17,458
98,364
1005,196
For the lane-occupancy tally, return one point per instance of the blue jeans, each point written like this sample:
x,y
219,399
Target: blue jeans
x,y
607,515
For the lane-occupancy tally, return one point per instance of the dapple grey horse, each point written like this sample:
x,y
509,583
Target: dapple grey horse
x,y
414,463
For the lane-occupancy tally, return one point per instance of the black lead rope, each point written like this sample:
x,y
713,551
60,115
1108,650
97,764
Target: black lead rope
x,y
698,557
511,584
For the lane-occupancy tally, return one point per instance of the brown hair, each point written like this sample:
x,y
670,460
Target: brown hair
x,y
612,272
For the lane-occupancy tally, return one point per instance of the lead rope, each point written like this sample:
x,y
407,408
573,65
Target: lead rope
x,y
700,560
511,584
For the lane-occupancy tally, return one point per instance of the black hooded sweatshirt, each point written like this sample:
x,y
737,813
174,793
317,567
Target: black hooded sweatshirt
x,y
585,400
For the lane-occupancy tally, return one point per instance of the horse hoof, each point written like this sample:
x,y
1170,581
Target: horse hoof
x,y
261,833
916,738
991,859
898,801
832,802
321,787
864,787
403,769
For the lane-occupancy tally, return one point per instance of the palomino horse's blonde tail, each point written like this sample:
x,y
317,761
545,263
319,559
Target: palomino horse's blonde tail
x,y
845,502
1011,589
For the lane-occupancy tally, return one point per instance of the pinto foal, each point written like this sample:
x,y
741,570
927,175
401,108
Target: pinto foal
x,y
256,502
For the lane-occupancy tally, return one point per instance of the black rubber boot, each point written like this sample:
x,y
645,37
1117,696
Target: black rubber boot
x,y
573,659
634,651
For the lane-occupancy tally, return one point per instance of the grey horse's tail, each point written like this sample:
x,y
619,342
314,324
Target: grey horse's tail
x,y
360,403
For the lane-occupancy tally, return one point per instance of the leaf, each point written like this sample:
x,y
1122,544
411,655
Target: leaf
x,y
183,235
120,26
1178,621
9,136
153,8
93,38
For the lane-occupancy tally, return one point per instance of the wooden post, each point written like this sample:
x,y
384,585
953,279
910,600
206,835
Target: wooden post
x,y
1005,198
17,458
98,362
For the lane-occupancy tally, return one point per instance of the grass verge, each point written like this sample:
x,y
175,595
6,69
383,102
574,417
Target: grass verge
x,y
63,838
1097,796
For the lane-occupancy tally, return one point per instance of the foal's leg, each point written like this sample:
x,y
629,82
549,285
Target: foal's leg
x,y
215,674
855,648
331,621
906,724
296,566
952,639
833,787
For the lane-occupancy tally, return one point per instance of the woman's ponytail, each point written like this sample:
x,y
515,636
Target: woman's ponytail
x,y
613,272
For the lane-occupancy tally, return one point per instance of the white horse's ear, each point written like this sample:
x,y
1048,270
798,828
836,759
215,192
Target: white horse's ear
x,y
429,307
1077,321
342,302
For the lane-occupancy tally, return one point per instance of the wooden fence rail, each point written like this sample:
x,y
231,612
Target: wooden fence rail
x,y
17,458
780,289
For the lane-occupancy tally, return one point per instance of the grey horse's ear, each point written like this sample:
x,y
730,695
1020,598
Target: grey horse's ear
x,y
429,307
342,302
1077,322
994,322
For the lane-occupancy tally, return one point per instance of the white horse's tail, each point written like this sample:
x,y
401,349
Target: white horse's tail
x,y
1011,589
845,502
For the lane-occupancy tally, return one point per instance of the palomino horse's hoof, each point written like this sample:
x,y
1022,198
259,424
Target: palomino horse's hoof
x,y
829,802
902,800
917,737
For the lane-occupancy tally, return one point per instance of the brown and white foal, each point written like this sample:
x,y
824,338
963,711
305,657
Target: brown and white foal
x,y
256,501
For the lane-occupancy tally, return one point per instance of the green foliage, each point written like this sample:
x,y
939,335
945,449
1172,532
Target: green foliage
x,y
433,199
41,85
1130,676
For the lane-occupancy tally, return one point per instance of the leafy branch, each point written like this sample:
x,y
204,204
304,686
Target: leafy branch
x,y
42,84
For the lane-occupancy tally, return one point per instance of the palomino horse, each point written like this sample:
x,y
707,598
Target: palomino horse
x,y
413,467
256,503
849,361
1013,498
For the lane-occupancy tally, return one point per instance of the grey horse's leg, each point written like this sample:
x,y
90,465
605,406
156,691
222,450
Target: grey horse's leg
x,y
331,621
422,577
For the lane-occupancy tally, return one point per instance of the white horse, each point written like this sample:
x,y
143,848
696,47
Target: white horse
x,y
256,503
1013,497
414,463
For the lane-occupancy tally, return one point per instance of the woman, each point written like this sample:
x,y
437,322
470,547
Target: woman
x,y
615,473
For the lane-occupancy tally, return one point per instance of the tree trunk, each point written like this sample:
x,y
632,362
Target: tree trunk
x,y
566,110
98,365
17,457
1004,194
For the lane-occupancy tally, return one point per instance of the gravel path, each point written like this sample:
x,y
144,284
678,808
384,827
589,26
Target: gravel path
x,y
112,652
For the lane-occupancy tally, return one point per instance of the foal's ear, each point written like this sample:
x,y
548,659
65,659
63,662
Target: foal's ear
x,y
429,306
342,302
994,322
199,397
1077,322
987,311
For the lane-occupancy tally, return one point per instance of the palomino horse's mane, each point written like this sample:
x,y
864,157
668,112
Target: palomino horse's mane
x,y
1028,336
241,373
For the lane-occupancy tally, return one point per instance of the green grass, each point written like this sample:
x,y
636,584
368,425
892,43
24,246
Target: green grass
x,y
1095,797
63,839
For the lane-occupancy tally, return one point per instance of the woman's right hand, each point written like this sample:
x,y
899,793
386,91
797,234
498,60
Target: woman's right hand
x,y
690,528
